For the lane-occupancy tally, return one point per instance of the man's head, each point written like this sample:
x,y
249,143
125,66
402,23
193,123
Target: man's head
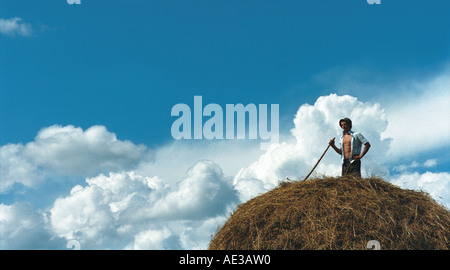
x,y
345,124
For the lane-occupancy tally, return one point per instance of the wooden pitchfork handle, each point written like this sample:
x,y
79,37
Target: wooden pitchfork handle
x,y
317,163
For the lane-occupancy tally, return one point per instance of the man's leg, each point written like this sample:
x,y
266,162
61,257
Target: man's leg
x,y
345,167
355,168
351,168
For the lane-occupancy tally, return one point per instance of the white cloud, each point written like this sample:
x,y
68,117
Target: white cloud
x,y
414,165
156,240
430,163
95,213
435,184
15,26
66,150
123,210
16,168
23,228
203,193
418,120
70,150
405,167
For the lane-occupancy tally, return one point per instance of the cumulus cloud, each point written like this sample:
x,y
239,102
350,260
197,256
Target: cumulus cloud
x,y
71,150
124,210
66,150
17,168
203,193
15,26
23,228
94,213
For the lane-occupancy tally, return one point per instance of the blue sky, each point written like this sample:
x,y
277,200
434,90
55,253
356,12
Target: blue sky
x,y
125,63
97,81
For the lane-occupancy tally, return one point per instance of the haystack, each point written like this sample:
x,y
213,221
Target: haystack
x,y
342,213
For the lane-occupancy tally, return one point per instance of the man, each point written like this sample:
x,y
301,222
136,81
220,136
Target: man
x,y
350,150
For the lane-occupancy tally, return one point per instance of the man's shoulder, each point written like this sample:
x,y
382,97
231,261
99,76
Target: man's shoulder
x,y
360,136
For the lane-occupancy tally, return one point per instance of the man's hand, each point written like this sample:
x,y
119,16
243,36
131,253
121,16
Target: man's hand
x,y
332,142
357,157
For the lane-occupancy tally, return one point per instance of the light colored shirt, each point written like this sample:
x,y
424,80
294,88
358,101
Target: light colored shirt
x,y
357,141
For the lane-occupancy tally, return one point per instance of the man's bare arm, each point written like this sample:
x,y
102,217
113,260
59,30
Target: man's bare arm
x,y
364,152
338,150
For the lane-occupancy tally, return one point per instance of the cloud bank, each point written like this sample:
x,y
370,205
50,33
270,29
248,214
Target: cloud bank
x,y
172,197
124,210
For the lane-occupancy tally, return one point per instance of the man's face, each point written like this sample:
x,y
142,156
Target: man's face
x,y
345,126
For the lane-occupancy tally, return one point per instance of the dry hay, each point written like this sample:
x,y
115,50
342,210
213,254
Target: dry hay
x,y
336,214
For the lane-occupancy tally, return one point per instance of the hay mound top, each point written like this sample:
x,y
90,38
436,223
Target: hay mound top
x,y
336,214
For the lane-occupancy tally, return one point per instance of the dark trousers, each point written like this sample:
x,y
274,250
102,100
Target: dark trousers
x,y
353,168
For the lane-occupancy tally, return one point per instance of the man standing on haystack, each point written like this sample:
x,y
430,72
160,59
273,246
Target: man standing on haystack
x,y
350,150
